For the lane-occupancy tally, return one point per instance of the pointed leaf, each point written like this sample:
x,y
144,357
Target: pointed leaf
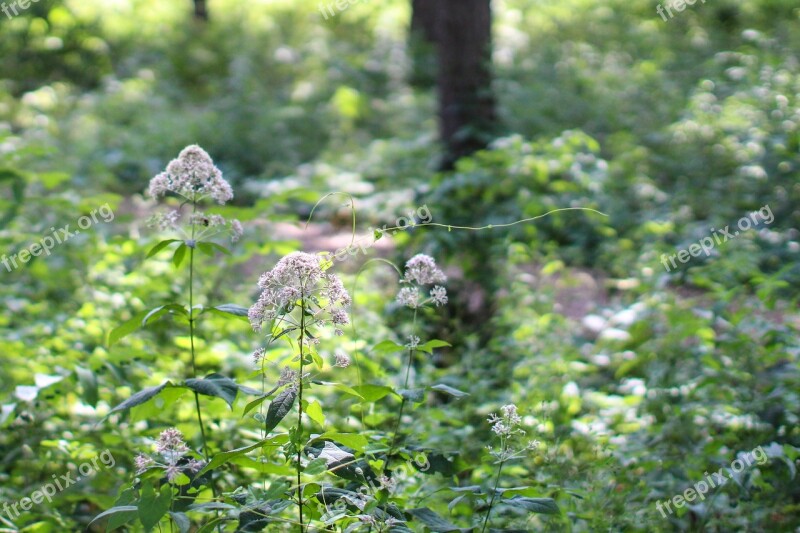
x,y
180,255
128,512
140,397
215,385
279,408
160,246
223,457
430,345
432,520
534,505
447,389
387,347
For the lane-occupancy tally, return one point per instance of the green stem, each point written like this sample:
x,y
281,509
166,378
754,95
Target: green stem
x,y
494,494
405,386
300,413
191,341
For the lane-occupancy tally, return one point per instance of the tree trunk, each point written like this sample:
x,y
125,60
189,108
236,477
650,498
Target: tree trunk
x,y
200,10
422,43
466,104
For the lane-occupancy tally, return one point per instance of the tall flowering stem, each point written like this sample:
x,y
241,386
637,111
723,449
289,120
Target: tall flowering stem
x,y
494,491
298,282
413,340
420,270
300,411
508,427
193,178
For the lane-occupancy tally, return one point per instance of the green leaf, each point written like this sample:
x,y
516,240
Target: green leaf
x,y
352,440
126,328
432,520
182,521
373,393
161,310
209,248
314,412
231,309
413,395
160,246
140,397
258,401
180,255
316,467
126,513
430,345
388,347
152,507
223,457
279,408
534,505
88,381
447,389
215,385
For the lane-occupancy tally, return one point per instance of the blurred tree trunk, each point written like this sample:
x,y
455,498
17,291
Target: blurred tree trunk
x,y
463,34
422,43
200,10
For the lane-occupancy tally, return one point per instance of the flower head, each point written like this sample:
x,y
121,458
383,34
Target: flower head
x,y
171,456
171,440
422,270
508,424
342,359
193,176
142,463
299,276
439,295
408,296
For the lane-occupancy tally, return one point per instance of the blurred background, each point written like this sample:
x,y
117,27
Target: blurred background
x,y
638,378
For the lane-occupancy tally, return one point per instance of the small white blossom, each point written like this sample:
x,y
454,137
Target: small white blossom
x,y
439,295
288,376
422,269
387,483
342,359
142,463
508,424
409,297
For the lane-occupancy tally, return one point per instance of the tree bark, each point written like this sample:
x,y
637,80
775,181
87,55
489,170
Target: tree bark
x,y
466,104
422,43
200,10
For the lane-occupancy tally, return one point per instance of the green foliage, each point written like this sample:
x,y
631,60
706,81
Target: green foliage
x,y
633,382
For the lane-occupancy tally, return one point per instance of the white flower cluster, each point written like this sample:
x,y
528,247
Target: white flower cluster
x,y
193,176
172,448
422,270
299,276
509,423
342,359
